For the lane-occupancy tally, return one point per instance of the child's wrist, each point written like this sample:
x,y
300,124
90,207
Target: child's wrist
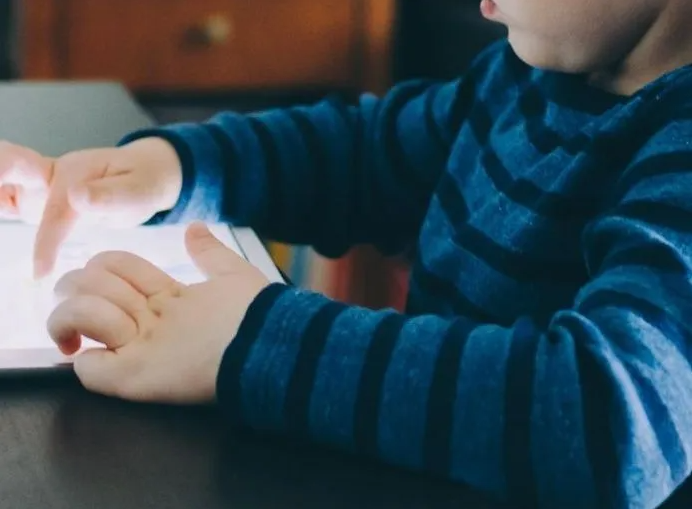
x,y
270,333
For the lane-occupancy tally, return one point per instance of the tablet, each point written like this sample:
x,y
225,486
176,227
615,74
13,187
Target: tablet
x,y
25,304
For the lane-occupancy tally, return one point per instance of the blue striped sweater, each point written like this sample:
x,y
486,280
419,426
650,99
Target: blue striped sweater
x,y
544,356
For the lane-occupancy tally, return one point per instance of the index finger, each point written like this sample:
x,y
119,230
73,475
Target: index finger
x,y
57,222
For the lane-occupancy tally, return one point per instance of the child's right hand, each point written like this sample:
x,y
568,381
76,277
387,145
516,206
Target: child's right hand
x,y
113,187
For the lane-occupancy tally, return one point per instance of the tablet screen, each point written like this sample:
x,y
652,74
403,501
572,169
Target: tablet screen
x,y
25,304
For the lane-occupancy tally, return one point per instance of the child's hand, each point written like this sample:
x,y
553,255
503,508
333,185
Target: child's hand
x,y
164,340
116,187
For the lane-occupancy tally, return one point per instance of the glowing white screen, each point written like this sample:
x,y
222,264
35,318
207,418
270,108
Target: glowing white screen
x,y
25,304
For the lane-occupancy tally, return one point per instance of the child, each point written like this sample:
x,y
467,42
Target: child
x,y
544,355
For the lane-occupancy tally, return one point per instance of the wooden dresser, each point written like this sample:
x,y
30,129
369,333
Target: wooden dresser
x,y
222,47
209,45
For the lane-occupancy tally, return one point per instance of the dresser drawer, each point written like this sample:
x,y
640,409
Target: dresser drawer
x,y
210,44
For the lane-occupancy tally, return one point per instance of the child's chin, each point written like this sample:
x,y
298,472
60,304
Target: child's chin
x,y
538,54
547,56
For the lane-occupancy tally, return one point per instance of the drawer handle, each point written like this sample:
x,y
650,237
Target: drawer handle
x,y
215,30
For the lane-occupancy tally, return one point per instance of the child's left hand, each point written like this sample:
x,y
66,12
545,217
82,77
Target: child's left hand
x,y
164,340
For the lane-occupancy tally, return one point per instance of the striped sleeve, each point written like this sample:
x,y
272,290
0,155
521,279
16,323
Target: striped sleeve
x,y
589,409
331,174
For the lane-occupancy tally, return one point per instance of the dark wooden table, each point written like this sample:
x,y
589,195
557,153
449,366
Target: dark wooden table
x,y
63,448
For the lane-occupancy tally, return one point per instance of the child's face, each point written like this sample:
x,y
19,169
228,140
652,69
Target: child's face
x,y
574,35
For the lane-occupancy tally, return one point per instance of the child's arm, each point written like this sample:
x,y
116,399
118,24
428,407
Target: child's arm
x,y
330,175
593,410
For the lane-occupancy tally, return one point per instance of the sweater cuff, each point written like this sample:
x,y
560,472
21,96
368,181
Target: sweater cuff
x,y
252,370
202,188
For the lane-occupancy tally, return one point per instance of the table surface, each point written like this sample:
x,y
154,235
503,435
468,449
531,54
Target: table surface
x,y
57,117
64,448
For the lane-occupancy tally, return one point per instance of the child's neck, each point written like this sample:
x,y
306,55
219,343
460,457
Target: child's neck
x,y
666,46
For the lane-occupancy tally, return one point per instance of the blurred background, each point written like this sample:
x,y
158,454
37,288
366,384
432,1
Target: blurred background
x,y
187,59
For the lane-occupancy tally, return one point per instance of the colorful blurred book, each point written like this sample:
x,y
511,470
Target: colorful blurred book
x,y
362,277
303,266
